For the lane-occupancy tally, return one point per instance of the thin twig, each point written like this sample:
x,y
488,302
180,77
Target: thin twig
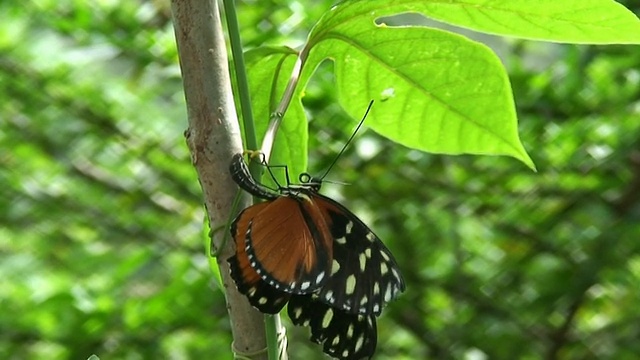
x,y
276,117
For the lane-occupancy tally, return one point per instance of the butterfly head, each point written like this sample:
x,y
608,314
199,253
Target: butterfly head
x,y
309,182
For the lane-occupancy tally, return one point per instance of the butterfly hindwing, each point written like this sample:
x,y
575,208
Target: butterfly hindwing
x,y
364,274
341,334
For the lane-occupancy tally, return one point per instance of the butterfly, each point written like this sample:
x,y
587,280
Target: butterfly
x,y
305,249
342,335
301,242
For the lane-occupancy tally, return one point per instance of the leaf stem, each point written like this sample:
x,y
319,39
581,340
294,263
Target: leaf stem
x,y
272,323
276,117
241,74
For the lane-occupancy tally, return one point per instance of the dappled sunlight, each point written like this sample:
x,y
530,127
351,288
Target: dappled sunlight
x,y
102,226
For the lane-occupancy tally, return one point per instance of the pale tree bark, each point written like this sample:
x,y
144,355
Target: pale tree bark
x,y
213,136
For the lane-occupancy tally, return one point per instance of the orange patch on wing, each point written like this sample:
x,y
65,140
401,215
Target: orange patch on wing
x,y
291,247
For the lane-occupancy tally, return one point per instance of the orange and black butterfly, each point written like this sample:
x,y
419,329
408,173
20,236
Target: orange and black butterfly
x,y
305,249
277,251
301,242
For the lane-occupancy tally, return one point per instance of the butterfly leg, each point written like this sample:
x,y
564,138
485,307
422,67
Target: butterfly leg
x,y
261,158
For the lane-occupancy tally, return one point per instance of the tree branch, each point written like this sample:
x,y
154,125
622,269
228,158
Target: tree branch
x,y
213,136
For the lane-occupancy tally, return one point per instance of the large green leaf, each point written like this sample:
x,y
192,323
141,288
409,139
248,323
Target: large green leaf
x,y
567,21
435,91
440,92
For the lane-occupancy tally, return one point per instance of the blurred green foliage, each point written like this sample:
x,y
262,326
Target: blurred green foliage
x,y
101,219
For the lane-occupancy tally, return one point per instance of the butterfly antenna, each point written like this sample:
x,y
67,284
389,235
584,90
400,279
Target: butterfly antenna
x,y
348,141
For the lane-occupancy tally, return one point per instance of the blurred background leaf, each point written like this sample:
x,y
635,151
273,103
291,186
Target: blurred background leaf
x,y
101,222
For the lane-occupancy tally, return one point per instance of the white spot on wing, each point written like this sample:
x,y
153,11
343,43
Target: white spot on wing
x,y
326,319
384,269
329,297
341,240
349,227
336,340
297,312
320,277
387,294
363,261
359,343
350,285
335,266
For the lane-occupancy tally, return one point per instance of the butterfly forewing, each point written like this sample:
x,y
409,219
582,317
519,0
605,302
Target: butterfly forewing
x,y
261,295
287,247
364,274
342,335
